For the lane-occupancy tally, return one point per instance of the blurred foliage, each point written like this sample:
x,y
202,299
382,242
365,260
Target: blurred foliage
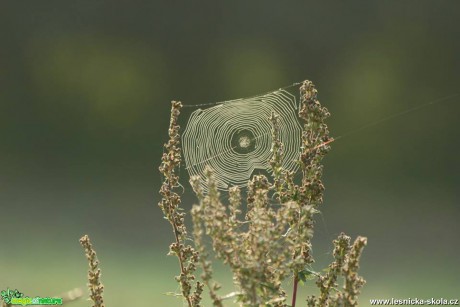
x,y
106,81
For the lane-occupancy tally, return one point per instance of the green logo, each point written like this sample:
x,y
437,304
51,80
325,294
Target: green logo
x,y
14,297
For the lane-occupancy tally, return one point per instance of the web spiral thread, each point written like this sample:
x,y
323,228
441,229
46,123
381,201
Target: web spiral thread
x,y
234,138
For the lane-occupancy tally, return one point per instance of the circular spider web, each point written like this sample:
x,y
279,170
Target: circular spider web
x,y
235,138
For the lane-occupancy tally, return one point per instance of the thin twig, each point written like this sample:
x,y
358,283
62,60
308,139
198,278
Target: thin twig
x,y
294,291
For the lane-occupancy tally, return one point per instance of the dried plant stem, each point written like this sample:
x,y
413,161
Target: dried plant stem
x,y
294,291
94,273
181,258
170,204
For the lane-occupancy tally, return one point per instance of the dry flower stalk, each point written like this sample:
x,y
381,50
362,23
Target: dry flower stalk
x,y
270,242
94,273
170,204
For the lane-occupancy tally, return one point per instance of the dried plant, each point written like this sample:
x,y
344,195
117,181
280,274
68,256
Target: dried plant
x,y
94,273
270,243
170,204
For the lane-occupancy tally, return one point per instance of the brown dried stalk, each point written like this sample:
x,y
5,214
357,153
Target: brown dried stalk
x,y
94,273
170,204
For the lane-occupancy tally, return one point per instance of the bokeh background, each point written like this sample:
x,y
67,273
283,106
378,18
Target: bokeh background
x,y
85,91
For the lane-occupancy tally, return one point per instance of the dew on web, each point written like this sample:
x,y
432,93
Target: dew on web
x,y
234,138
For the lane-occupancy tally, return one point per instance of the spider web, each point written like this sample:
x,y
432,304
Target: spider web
x,y
234,138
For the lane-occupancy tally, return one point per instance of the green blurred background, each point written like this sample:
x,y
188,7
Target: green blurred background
x,y
85,91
